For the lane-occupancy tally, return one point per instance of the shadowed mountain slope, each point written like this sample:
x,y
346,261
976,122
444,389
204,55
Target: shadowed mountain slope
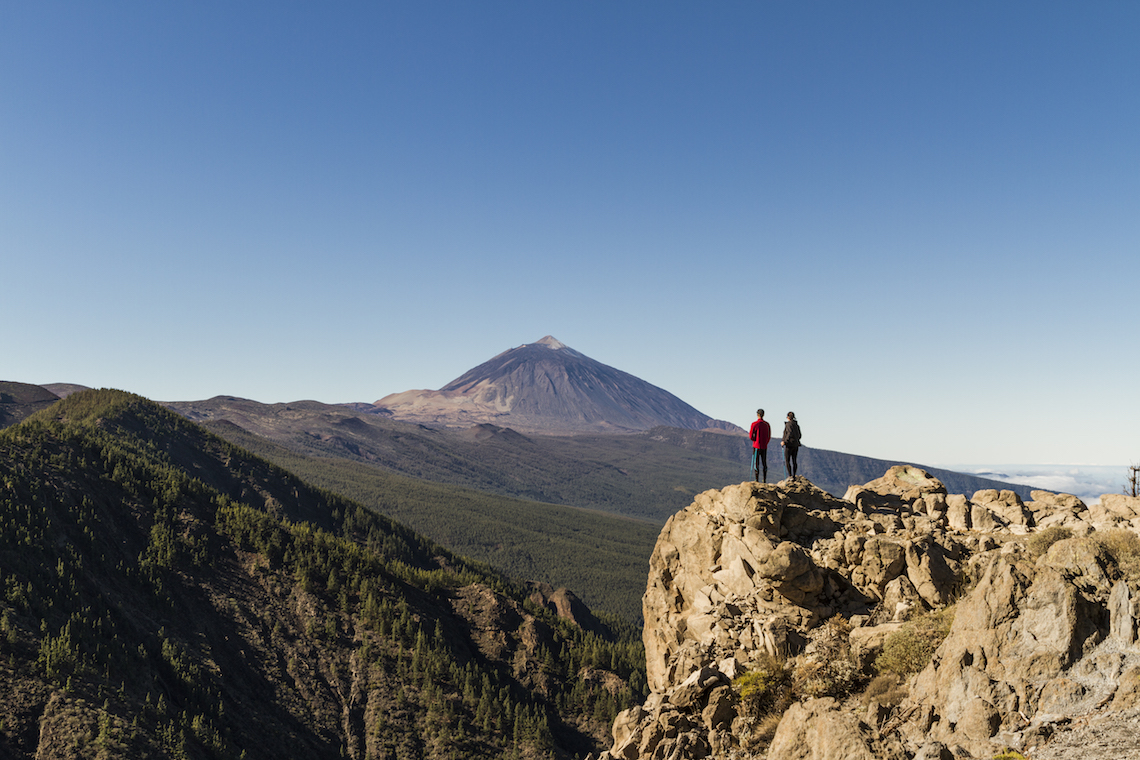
x,y
167,594
649,475
602,557
548,387
19,400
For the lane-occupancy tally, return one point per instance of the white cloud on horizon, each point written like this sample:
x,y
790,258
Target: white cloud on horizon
x,y
1087,482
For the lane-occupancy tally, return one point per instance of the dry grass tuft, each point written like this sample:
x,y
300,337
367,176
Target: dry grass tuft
x,y
827,667
765,694
886,689
1124,547
1009,754
909,649
1040,542
765,688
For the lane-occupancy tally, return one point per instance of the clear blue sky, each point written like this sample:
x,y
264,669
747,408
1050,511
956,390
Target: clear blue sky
x,y
915,224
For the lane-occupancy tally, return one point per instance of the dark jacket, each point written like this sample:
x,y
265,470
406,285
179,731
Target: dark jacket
x,y
791,433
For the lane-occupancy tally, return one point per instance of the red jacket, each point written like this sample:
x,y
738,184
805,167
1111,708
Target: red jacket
x,y
760,434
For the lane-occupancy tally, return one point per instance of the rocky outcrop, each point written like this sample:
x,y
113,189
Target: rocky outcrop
x,y
756,574
565,604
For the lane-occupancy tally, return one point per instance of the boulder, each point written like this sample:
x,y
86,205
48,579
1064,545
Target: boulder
x,y
906,482
696,686
958,512
819,730
1122,506
985,519
791,572
1005,505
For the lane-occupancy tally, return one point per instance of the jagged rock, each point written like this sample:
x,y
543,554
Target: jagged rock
x,y
1016,642
1127,694
935,505
696,686
791,572
755,571
1005,505
1124,507
819,730
722,556
1045,499
933,573
984,519
958,512
901,600
1124,613
882,560
627,731
906,482
720,709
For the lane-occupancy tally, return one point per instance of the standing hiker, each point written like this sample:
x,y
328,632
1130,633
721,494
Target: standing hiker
x,y
760,434
791,444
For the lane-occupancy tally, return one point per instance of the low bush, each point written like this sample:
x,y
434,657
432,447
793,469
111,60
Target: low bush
x,y
886,689
909,649
765,694
1040,542
827,667
1124,547
765,688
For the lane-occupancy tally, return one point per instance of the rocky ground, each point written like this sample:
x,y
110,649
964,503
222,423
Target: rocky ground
x,y
1095,738
769,603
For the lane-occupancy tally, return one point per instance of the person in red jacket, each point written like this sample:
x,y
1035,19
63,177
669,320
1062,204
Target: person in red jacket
x,y
760,433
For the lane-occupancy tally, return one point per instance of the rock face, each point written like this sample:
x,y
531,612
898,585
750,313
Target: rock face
x,y
548,387
755,574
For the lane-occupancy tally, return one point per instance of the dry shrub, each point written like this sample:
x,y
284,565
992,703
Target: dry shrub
x,y
886,689
909,649
1124,547
1040,542
765,693
765,729
765,688
827,667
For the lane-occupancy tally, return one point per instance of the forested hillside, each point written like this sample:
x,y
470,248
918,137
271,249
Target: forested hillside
x,y
168,594
649,475
602,557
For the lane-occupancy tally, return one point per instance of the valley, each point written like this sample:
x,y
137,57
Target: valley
x,y
167,594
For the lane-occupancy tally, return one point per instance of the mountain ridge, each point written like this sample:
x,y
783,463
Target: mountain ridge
x,y
648,474
168,594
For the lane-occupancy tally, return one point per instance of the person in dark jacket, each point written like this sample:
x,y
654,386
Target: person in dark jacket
x,y
760,434
791,444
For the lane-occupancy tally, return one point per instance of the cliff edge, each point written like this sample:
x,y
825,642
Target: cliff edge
x,y
898,622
